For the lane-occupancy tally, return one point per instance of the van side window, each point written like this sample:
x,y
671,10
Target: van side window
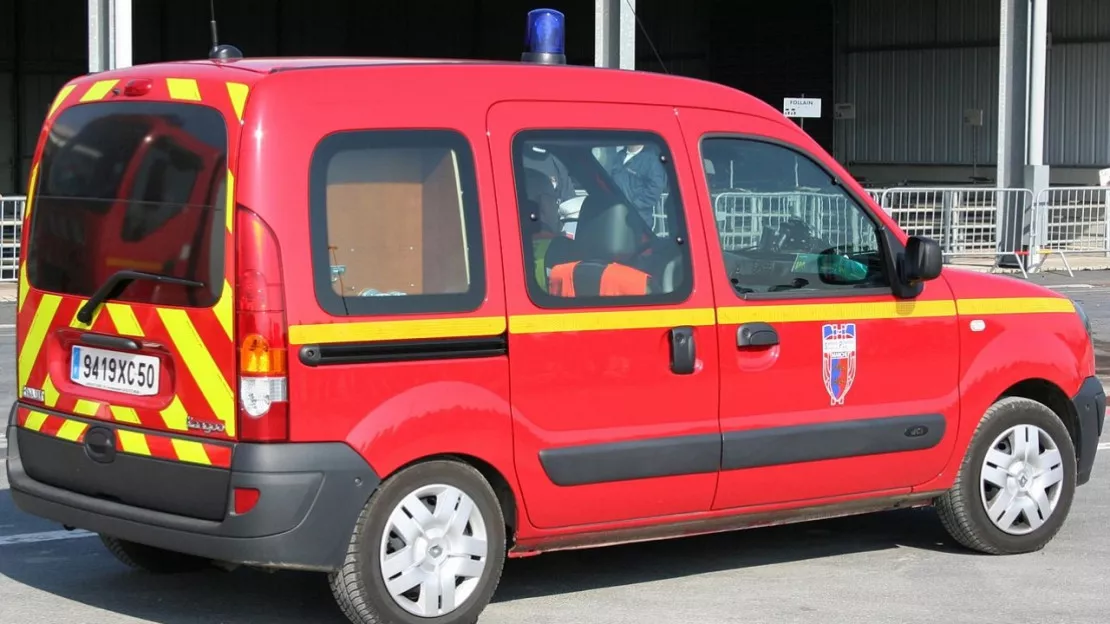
x,y
395,226
784,224
601,219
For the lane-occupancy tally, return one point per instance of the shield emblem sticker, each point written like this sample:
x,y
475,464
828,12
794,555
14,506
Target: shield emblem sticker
x,y
838,349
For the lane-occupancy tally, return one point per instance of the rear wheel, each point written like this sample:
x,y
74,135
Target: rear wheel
x,y
1017,481
151,559
429,546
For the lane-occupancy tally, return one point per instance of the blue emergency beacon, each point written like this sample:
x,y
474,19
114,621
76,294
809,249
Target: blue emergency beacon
x,y
545,38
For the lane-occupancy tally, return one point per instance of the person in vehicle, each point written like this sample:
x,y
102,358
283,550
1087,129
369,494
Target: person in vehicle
x,y
544,162
540,208
639,174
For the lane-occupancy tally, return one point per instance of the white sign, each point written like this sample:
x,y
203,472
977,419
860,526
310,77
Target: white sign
x,y
801,107
1104,177
844,110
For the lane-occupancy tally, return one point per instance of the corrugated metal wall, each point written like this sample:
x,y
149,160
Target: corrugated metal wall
x,y
911,69
42,44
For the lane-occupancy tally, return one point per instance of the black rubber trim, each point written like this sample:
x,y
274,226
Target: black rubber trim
x,y
311,495
700,454
853,438
1090,408
403,351
197,491
625,461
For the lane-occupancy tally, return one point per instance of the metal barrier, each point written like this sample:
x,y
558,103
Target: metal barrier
x,y
11,226
969,223
1073,220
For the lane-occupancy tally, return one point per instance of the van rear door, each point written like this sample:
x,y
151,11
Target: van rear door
x,y
125,304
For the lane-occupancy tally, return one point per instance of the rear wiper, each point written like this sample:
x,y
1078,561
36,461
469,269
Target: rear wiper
x,y
114,285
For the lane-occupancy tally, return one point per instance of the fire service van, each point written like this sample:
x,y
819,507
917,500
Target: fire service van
x,y
397,320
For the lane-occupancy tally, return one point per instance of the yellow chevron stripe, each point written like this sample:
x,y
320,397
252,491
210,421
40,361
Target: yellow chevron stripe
x,y
71,430
59,99
610,320
22,288
223,309
49,392
36,334
183,89
175,416
123,317
86,408
396,330
199,361
238,94
76,324
229,202
797,313
192,452
133,442
98,90
1015,305
125,415
35,421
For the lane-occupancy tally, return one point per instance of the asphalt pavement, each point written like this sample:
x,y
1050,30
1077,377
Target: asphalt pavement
x,y
891,567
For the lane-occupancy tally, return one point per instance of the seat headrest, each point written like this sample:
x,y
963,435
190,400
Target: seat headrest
x,y
608,236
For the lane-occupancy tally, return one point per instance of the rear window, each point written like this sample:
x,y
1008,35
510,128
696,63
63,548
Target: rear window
x,y
132,186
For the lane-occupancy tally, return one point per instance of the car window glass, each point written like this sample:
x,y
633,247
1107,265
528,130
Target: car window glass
x,y
785,225
601,218
395,218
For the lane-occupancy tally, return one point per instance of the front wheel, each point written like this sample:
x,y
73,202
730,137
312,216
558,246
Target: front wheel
x,y
1016,483
428,547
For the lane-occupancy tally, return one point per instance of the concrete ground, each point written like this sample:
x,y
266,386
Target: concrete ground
x,y
893,567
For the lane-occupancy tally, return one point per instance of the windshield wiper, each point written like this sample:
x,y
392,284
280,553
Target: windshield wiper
x,y
114,286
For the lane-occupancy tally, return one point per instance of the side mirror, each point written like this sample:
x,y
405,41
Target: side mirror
x,y
923,260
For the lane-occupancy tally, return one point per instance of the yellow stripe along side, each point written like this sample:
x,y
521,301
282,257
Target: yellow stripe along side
x,y
558,322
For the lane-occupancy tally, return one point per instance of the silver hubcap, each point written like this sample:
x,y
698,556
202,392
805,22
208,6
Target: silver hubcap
x,y
434,550
1022,478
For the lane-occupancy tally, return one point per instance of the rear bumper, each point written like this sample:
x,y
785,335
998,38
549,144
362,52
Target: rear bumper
x,y
1090,407
311,496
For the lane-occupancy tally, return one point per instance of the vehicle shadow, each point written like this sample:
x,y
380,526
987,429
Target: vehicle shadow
x,y
82,571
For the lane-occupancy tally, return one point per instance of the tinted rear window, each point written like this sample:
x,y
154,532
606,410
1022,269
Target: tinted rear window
x,y
137,186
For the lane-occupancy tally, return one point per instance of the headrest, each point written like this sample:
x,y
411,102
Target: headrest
x,y
607,236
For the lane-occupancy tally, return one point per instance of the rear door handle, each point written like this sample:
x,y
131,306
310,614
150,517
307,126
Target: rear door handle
x,y
683,351
756,335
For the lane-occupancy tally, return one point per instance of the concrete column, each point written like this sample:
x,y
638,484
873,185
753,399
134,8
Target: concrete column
x,y
615,33
109,23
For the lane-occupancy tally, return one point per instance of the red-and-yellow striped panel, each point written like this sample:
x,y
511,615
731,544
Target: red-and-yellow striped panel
x,y
200,339
129,441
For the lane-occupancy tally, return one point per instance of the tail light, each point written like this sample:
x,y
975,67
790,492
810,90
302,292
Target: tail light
x,y
261,332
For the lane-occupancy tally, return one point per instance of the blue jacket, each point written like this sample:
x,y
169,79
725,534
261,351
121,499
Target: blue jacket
x,y
643,180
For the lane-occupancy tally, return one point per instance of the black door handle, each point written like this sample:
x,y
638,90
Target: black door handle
x,y
683,353
756,335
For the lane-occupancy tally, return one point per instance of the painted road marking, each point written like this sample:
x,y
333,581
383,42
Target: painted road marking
x,y
48,536
1104,446
8,326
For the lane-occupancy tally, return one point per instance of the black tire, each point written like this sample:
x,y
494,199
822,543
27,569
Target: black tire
x,y
961,509
359,587
151,559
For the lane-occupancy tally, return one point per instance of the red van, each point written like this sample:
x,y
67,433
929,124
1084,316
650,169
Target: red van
x,y
370,346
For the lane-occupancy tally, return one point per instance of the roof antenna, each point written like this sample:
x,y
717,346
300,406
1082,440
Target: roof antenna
x,y
648,37
220,52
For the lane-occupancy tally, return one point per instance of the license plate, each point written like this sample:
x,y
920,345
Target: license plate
x,y
128,373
